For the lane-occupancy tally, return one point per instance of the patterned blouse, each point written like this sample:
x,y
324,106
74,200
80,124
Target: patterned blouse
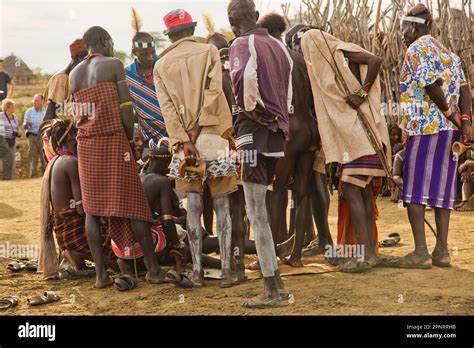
x,y
426,61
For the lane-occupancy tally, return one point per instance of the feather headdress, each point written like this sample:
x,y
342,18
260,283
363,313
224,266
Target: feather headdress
x,y
136,21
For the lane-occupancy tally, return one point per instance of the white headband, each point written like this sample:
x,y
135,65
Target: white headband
x,y
144,44
415,20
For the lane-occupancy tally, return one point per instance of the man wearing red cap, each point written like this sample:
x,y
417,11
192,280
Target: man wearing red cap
x,y
188,80
57,90
57,94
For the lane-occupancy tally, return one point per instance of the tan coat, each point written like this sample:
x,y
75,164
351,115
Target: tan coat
x,y
342,136
188,81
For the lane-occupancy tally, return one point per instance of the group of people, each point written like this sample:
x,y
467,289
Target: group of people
x,y
232,125
10,132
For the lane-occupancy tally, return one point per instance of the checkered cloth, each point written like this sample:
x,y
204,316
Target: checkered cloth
x,y
70,231
108,172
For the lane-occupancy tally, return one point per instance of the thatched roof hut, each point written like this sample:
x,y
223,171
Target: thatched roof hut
x,y
18,70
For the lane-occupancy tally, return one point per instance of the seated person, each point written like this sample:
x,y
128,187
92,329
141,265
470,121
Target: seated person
x,y
68,218
169,229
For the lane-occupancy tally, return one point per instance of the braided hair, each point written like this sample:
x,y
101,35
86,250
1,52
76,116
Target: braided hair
x,y
61,131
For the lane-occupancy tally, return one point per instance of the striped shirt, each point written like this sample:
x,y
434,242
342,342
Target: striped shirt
x,y
10,125
35,117
2,127
145,102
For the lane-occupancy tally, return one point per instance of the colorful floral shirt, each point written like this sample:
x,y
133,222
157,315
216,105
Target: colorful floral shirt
x,y
426,61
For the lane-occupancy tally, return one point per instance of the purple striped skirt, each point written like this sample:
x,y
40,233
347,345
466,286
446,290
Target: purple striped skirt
x,y
429,171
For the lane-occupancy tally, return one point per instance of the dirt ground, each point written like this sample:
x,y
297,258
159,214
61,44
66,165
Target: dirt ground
x,y
381,291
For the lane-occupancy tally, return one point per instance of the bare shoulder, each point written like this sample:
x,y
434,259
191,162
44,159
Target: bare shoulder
x,y
112,62
74,76
70,163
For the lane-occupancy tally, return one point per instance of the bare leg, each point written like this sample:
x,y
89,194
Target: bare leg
x,y
416,215
94,238
367,196
208,211
193,221
354,197
303,172
142,232
257,213
237,213
224,233
277,209
441,251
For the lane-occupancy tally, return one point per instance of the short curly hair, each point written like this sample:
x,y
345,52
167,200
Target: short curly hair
x,y
244,9
275,23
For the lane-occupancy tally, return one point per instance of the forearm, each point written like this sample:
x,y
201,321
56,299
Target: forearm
x,y
437,96
375,63
128,120
50,111
465,101
126,110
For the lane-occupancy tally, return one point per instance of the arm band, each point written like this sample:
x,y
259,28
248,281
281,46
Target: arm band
x,y
125,104
167,217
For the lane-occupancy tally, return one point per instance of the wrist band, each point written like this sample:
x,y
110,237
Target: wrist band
x,y
167,217
78,203
466,118
363,91
125,104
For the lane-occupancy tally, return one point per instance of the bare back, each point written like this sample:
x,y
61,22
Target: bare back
x,y
96,70
65,186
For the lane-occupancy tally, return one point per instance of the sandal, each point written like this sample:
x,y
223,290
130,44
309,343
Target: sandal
x,y
407,262
48,297
441,259
16,266
284,294
180,280
125,283
8,302
71,274
31,266
257,302
391,240
354,266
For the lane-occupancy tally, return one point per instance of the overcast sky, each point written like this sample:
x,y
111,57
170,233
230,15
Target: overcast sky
x,y
40,31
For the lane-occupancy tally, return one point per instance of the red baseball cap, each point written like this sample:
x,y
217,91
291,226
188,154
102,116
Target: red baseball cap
x,y
177,20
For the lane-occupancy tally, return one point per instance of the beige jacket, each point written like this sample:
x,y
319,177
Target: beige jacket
x,y
342,136
188,81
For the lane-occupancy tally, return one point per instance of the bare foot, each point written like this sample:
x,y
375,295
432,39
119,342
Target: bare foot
x,y
103,283
284,249
293,262
156,278
313,251
240,274
352,265
263,301
198,279
468,206
372,261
